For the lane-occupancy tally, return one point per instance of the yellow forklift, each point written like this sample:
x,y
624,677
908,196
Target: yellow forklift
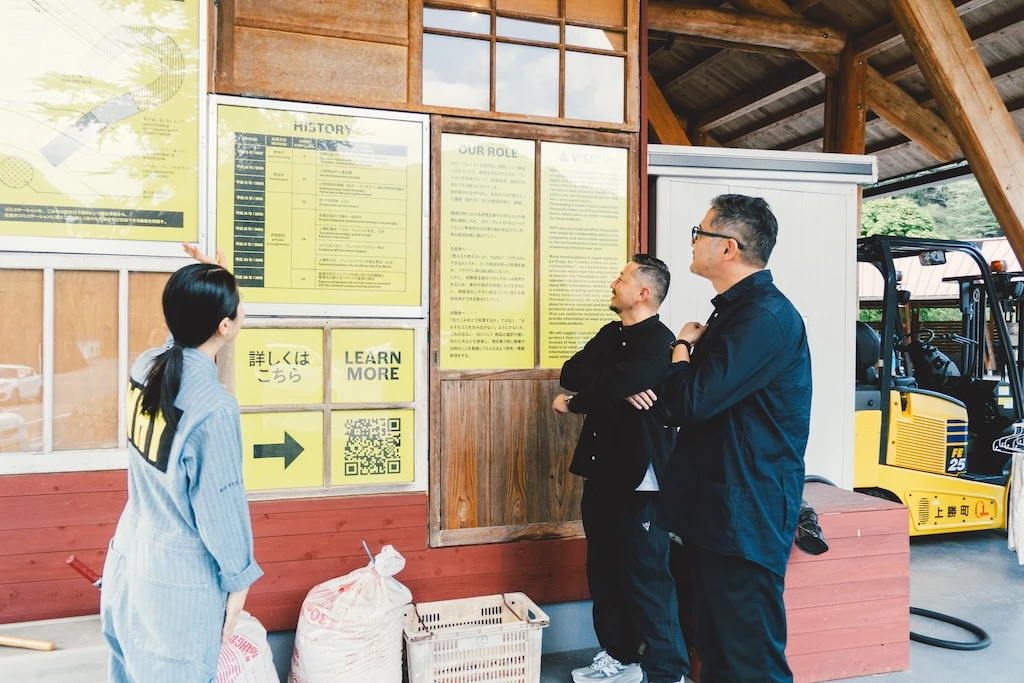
x,y
935,432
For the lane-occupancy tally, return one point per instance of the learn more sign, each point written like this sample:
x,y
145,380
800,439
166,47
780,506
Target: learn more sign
x,y
373,366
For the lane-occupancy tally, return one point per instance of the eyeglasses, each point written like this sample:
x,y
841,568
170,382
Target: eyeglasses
x,y
697,231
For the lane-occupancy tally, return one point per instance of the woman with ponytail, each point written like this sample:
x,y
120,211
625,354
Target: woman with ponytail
x,y
181,561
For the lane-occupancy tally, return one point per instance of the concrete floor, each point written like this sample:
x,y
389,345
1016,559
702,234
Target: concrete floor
x,y
970,576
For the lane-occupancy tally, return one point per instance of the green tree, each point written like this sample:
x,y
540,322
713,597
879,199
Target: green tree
x,y
959,209
896,216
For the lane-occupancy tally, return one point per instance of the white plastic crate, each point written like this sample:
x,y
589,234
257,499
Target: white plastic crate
x,y
493,638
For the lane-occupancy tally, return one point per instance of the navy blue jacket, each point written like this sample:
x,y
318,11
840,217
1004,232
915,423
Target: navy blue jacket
x,y
743,404
618,441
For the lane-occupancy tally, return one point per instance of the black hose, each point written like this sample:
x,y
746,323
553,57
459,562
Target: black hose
x,y
983,641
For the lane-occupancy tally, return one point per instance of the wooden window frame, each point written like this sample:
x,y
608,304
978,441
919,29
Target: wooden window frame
x,y
631,58
79,460
539,134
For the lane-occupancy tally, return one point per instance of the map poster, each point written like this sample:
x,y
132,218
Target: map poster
x,y
320,208
99,119
584,228
487,253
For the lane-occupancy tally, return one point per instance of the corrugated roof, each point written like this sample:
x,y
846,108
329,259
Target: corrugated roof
x,y
925,282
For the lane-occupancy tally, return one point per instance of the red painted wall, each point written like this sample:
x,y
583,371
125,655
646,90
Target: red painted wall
x,y
45,518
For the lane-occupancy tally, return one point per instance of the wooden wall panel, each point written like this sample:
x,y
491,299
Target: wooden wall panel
x,y
513,442
21,299
294,66
299,543
464,469
376,20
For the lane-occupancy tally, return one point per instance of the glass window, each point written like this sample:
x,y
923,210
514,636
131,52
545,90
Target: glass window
x,y
21,360
146,326
85,354
526,80
454,20
457,72
594,86
527,30
595,38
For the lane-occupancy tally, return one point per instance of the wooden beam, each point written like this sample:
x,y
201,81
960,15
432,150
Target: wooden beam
x,y
795,34
795,79
1001,28
802,6
886,98
813,107
852,103
662,118
888,35
981,122
738,47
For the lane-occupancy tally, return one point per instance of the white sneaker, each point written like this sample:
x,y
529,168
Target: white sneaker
x,y
607,669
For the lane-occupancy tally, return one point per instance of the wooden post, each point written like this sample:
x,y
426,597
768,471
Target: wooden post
x,y
846,106
971,105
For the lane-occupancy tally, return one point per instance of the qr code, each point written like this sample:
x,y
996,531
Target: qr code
x,y
373,446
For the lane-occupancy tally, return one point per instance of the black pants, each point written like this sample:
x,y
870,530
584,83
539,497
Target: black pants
x,y
634,595
739,620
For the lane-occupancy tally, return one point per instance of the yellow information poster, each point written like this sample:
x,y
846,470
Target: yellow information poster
x,y
584,228
487,253
282,450
316,208
372,447
373,366
99,119
275,367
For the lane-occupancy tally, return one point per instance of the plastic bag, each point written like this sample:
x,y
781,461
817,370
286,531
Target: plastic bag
x,y
350,628
247,658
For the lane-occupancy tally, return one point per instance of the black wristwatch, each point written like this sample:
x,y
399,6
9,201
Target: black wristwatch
x,y
677,342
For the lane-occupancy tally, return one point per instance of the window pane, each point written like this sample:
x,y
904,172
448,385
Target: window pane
x,y
456,72
146,326
594,37
598,11
21,361
527,80
540,8
527,30
85,360
594,86
453,20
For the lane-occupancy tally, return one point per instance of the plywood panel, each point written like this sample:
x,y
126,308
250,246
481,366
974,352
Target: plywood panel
x,y
859,661
464,454
317,68
513,446
374,19
146,325
539,8
85,360
21,302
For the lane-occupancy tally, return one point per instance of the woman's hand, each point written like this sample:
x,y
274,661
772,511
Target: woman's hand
x,y
236,601
193,251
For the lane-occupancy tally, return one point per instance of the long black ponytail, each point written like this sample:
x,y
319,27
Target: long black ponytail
x,y
195,301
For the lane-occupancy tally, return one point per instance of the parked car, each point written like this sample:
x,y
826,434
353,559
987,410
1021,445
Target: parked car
x,y
12,432
19,383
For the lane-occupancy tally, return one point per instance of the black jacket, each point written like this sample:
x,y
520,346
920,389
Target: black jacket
x,y
743,404
618,441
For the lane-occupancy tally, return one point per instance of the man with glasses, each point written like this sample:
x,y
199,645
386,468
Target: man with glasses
x,y
740,391
622,452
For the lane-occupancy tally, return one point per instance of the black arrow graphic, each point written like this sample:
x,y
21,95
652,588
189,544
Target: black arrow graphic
x,y
289,450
